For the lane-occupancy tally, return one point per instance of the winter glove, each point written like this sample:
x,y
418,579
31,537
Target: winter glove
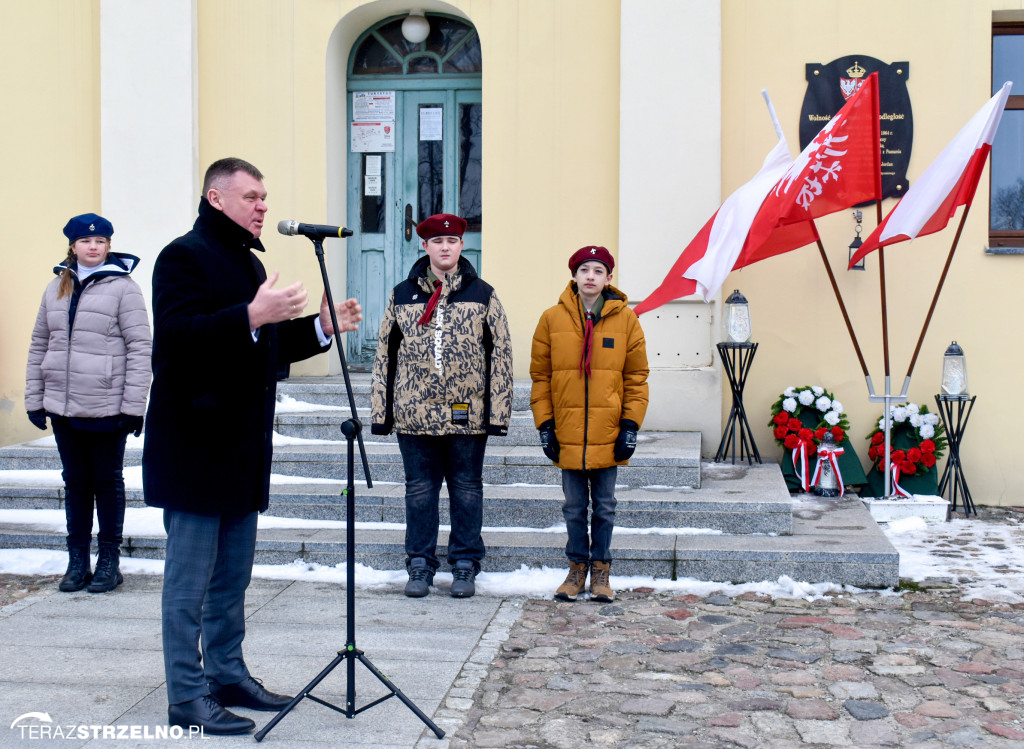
x,y
131,424
38,418
548,440
625,443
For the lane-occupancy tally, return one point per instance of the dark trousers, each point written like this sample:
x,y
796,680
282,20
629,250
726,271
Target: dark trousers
x,y
458,460
596,488
206,572
93,463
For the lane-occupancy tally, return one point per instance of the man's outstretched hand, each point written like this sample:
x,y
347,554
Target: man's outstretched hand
x,y
349,312
276,305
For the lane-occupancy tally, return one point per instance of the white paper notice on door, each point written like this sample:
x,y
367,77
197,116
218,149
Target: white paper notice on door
x,y
371,185
373,136
430,123
373,166
373,105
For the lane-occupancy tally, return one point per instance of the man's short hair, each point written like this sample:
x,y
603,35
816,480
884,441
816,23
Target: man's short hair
x,y
224,168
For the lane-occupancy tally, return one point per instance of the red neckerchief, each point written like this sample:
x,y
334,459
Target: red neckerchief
x,y
428,313
588,340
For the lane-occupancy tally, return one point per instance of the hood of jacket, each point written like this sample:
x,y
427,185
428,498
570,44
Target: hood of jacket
x,y
420,267
614,301
116,264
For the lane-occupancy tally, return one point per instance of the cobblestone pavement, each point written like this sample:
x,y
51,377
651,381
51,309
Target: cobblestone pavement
x,y
925,668
922,669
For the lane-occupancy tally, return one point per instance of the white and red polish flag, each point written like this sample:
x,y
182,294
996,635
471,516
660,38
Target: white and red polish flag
x,y
725,230
948,183
773,212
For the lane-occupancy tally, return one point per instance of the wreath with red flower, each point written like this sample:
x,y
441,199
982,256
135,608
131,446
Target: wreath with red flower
x,y
790,430
917,440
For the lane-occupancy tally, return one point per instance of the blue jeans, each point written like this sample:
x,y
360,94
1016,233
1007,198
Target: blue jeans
x,y
596,486
93,465
458,459
206,571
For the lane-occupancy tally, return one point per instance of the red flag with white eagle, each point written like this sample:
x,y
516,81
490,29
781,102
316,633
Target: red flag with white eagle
x,y
840,168
948,183
773,212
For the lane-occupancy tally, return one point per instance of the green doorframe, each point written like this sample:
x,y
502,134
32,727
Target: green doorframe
x,y
382,251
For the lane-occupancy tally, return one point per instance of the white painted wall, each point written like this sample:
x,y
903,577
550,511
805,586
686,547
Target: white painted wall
x,y
670,167
148,125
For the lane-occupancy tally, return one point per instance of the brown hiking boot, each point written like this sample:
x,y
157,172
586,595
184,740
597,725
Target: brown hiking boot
x,y
574,583
600,589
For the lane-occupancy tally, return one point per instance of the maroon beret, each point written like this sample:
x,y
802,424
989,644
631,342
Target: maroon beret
x,y
441,225
591,252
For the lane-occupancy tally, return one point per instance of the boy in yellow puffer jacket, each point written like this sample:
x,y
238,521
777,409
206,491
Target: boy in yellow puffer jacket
x,y
589,398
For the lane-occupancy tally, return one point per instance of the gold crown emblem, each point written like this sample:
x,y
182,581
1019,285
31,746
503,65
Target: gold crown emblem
x,y
856,71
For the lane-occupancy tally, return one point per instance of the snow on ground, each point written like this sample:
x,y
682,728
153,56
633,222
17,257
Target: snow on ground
x,y
980,557
133,479
288,405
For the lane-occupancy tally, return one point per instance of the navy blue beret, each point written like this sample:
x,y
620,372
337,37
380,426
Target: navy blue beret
x,y
88,225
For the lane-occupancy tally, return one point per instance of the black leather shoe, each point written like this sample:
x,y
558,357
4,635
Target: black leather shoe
x,y
249,692
209,715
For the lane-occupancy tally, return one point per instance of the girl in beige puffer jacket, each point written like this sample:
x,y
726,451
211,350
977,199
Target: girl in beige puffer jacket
x,y
89,372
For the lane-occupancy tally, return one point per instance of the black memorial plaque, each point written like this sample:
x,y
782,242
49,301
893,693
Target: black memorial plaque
x,y
831,84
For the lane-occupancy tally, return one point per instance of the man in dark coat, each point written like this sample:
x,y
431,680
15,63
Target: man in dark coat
x,y
221,330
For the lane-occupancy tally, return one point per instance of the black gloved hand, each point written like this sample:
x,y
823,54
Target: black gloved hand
x,y
548,440
625,443
131,424
38,418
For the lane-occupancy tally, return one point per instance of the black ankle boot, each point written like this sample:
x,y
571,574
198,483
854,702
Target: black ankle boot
x,y
108,573
78,573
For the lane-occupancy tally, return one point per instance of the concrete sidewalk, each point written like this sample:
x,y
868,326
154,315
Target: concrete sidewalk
x,y
96,660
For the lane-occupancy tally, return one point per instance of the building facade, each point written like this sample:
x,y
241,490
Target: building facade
x,y
550,124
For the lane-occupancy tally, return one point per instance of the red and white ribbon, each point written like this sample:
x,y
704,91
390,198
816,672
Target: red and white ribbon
x,y
898,490
803,470
832,456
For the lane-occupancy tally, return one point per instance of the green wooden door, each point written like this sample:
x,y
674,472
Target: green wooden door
x,y
435,165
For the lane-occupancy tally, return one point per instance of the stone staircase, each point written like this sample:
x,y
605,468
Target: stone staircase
x,y
675,516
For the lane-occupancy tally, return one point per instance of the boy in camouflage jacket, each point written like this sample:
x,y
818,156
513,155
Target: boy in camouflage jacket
x,y
442,379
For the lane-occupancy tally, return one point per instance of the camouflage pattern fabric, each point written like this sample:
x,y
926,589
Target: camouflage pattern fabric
x,y
452,375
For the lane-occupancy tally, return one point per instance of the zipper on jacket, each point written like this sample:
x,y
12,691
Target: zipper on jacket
x,y
586,387
586,415
71,327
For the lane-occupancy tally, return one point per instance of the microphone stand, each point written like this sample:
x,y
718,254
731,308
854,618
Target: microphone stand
x,y
352,429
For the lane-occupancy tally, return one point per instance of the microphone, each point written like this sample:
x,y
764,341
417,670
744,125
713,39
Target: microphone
x,y
315,231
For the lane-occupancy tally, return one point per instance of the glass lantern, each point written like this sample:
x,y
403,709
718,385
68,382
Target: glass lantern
x,y
735,319
954,372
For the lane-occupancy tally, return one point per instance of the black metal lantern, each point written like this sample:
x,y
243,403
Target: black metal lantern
x,y
857,241
954,372
735,319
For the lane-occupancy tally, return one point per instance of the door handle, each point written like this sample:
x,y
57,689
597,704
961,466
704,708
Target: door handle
x,y
410,224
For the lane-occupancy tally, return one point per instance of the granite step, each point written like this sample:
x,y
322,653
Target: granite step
x,y
326,425
742,500
661,459
331,390
832,540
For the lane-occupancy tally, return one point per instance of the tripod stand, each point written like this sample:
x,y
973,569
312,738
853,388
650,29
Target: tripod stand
x,y
352,429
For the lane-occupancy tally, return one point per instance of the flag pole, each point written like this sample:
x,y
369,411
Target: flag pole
x,y
938,289
885,316
842,306
824,257
887,398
